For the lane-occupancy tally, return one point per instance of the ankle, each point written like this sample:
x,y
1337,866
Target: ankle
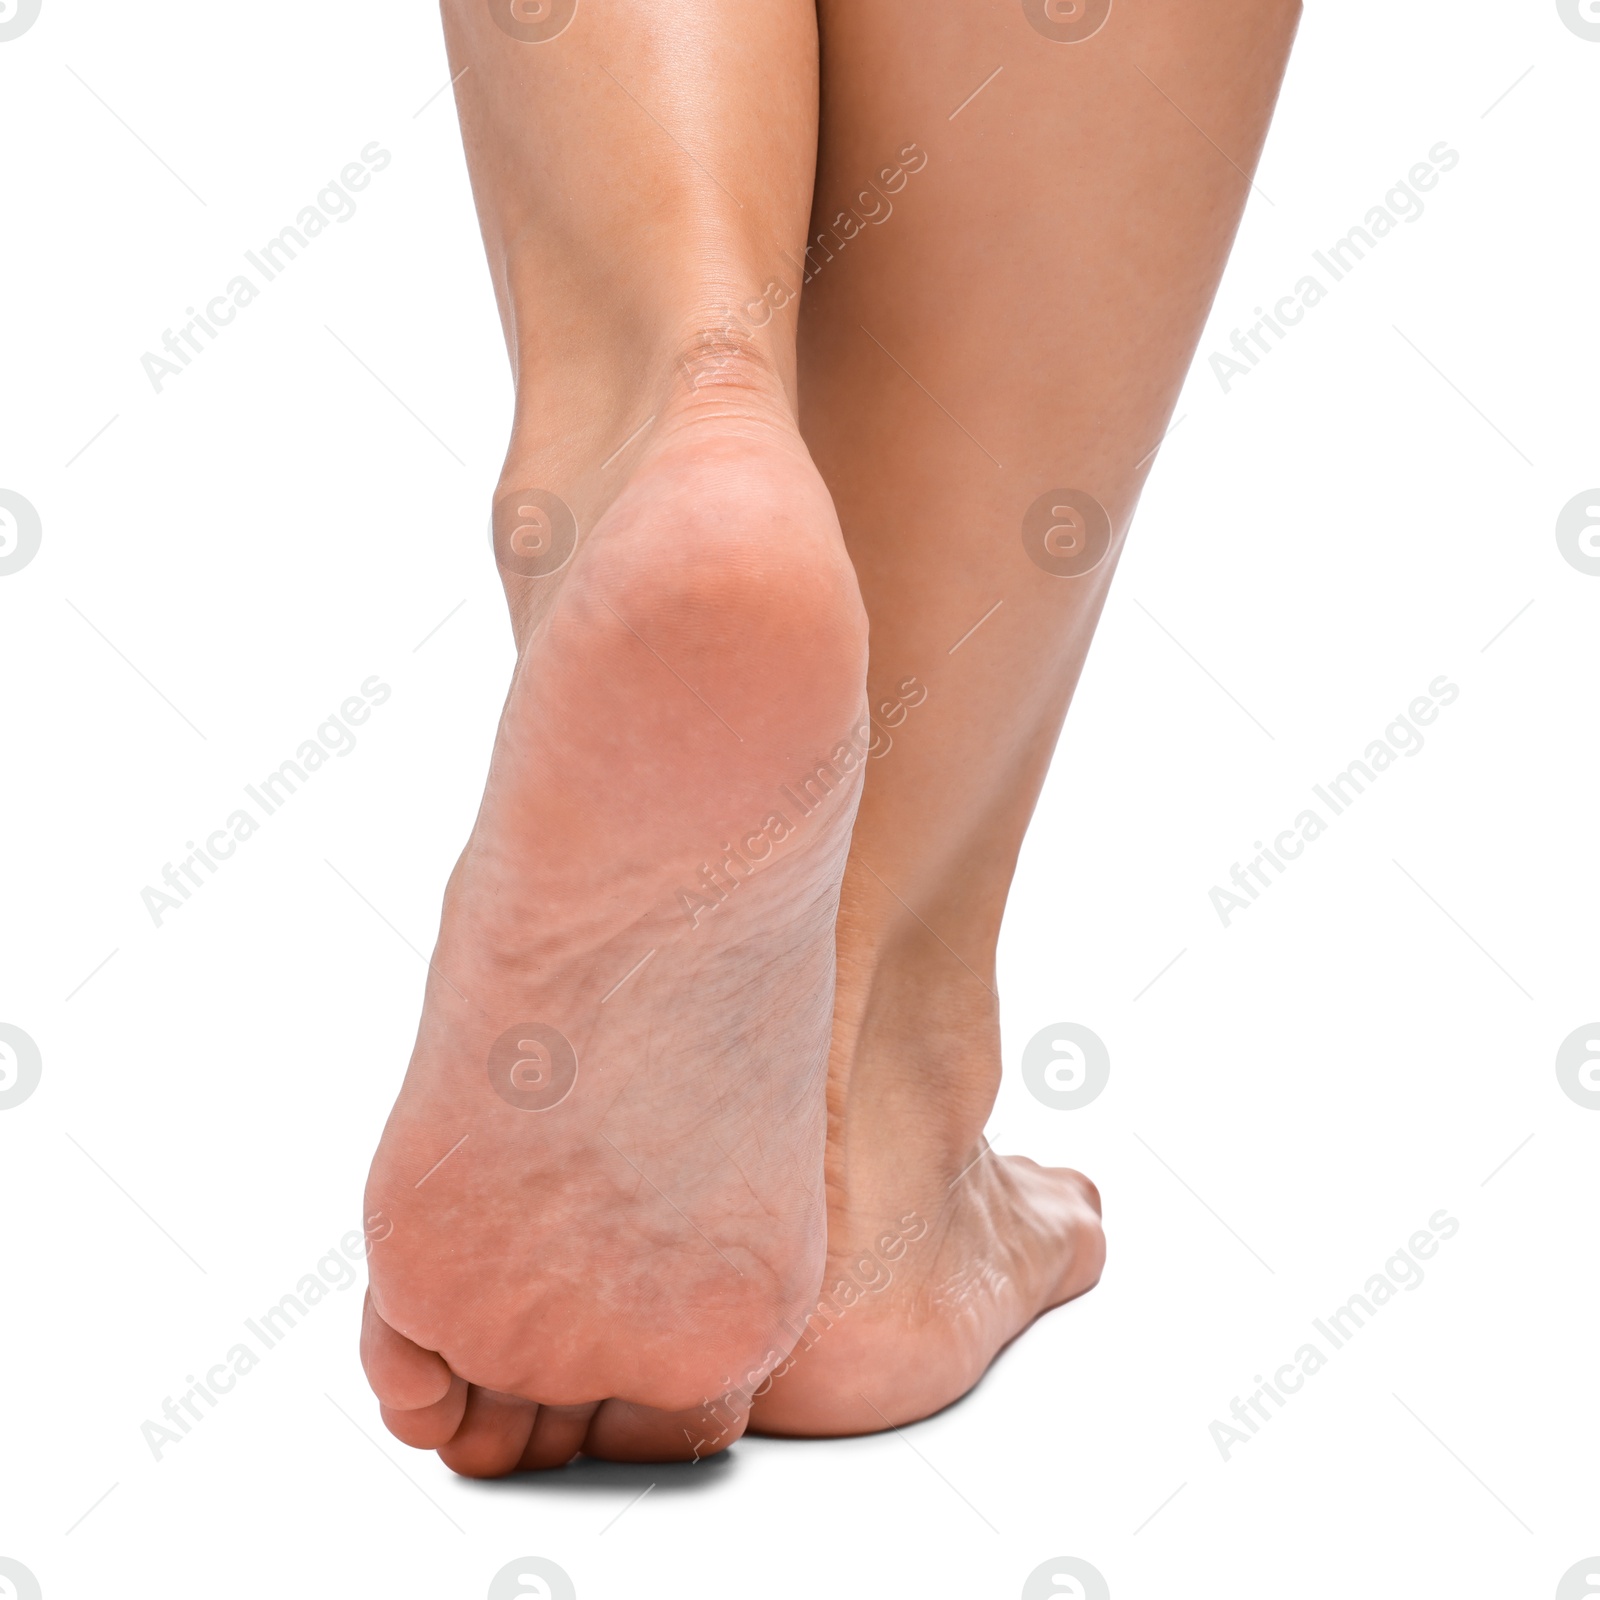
x,y
917,1053
581,429
583,412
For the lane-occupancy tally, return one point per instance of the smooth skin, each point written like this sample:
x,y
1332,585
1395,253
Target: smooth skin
x,y
783,1011
1023,322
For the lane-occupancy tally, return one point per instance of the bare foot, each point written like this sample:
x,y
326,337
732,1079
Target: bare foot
x,y
604,1171
939,1251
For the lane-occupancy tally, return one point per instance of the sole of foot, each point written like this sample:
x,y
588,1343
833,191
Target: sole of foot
x,y
601,1185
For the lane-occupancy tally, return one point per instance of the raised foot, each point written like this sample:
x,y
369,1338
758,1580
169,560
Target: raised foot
x,y
603,1173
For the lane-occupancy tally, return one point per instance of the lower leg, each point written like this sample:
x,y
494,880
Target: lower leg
x,y
1018,327
641,181
604,1168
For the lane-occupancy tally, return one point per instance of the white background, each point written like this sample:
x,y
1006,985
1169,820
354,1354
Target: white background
x,y
1289,1101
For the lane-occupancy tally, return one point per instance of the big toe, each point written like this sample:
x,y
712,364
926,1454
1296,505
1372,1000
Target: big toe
x,y
1081,1241
1086,1187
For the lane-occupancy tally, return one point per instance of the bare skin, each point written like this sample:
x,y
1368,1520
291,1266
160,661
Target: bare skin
x,y
621,1271
585,1268
1046,277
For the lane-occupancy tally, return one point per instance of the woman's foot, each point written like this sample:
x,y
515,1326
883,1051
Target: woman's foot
x,y
939,1251
948,402
603,1177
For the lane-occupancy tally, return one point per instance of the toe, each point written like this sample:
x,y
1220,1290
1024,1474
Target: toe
x,y
1087,1186
403,1375
558,1434
1083,1239
622,1431
429,1427
493,1434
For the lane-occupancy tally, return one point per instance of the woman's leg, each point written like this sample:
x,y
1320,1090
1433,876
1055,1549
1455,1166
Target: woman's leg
x,y
1006,294
598,1202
